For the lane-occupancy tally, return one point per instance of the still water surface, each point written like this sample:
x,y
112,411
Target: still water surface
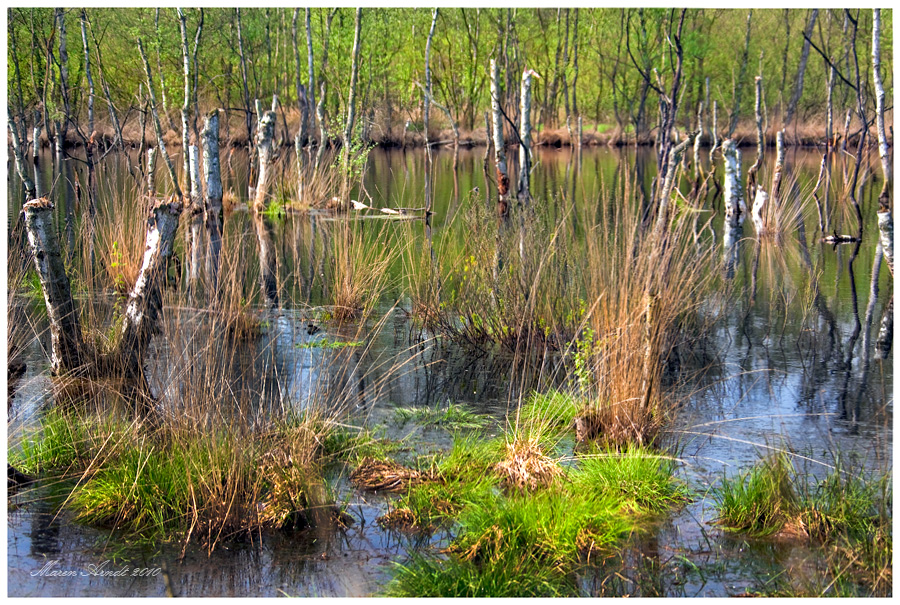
x,y
791,370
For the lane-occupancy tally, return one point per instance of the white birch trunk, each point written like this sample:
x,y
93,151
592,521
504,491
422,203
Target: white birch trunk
x,y
734,203
151,172
351,97
760,209
664,211
27,183
265,133
36,138
196,216
697,167
159,134
779,168
885,332
87,70
883,151
65,329
499,153
213,206
525,135
145,300
886,236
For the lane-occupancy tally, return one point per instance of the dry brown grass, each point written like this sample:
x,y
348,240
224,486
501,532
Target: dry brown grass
x,y
526,466
384,475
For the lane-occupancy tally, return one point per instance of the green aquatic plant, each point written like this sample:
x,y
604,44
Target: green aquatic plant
x,y
453,416
759,501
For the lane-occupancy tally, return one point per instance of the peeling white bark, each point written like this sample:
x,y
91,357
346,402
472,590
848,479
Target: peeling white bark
x,y
65,329
145,301
525,134
759,210
883,151
734,202
499,153
265,134
196,215
213,206
27,183
886,236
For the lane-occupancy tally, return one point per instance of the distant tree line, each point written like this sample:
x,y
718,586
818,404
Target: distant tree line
x,y
603,66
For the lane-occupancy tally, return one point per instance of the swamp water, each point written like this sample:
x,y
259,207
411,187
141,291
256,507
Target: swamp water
x,y
784,369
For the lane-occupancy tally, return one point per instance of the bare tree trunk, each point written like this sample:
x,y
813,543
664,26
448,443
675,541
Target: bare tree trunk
x,y
883,152
524,193
145,301
801,70
65,329
698,170
428,94
351,100
886,235
499,152
159,70
320,107
779,166
300,140
36,137
738,93
734,203
114,118
185,107
213,204
151,172
27,183
265,133
20,100
268,270
715,131
312,75
63,78
886,332
87,71
760,141
663,214
159,135
248,112
196,217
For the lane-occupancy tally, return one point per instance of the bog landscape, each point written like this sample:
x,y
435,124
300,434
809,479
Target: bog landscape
x,y
455,302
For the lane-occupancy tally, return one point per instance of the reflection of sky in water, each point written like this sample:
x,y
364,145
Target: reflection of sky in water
x,y
785,377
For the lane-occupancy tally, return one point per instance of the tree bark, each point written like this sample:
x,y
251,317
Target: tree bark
x,y
248,111
145,301
760,140
312,75
734,203
63,78
36,138
524,193
213,204
27,183
883,152
738,93
320,107
87,71
159,134
65,329
265,133
185,107
886,236
427,101
151,172
664,211
351,98
801,70
885,332
499,153
196,217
